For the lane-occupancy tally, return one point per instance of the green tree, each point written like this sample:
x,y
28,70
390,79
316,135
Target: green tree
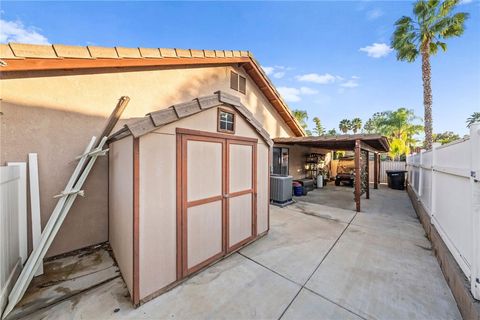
x,y
302,117
356,124
319,130
433,21
398,147
374,124
332,132
475,117
399,126
344,125
445,137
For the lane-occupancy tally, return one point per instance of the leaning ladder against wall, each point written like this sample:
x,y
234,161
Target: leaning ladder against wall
x,y
65,202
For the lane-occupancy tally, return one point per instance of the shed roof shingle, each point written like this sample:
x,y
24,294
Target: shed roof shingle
x,y
138,127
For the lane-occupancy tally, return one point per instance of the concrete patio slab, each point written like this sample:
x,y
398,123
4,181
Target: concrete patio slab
x,y
323,211
381,276
308,305
310,265
295,244
332,196
234,288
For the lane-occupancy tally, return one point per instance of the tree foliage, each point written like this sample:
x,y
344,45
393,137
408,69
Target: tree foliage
x,y
433,22
345,125
475,117
302,117
318,130
332,132
399,126
445,137
356,124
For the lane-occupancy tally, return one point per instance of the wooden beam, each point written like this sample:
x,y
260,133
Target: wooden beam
x,y
368,175
366,147
358,182
375,170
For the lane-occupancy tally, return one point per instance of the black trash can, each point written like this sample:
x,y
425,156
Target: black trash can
x,y
396,179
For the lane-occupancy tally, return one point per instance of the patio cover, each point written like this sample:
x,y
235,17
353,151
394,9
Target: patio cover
x,y
371,142
355,142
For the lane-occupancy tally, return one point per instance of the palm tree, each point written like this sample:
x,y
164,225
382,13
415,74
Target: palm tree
x,y
344,125
433,21
319,130
356,124
302,117
475,117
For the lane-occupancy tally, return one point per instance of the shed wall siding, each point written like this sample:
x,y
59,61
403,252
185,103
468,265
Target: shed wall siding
x,y
158,196
121,206
58,111
158,222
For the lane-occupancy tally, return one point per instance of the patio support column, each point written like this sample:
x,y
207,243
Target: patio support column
x,y
375,170
368,175
358,183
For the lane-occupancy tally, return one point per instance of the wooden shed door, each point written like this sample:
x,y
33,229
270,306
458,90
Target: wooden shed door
x,y
241,177
203,201
218,198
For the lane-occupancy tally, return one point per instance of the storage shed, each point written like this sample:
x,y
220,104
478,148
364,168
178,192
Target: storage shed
x,y
188,185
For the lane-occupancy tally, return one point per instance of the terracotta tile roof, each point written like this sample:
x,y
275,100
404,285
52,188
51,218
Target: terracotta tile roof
x,y
22,51
138,127
30,57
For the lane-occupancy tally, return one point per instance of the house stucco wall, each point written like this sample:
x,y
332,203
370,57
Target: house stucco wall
x,y
297,157
55,113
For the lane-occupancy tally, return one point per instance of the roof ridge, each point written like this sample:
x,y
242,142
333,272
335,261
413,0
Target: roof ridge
x,y
15,50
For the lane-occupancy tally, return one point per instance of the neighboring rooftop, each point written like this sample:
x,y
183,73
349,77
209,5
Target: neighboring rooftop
x,y
30,57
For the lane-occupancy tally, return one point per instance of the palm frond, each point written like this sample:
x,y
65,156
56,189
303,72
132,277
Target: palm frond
x,y
446,7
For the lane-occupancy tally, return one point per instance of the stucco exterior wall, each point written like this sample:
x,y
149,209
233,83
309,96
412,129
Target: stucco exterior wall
x,y
54,113
297,157
157,232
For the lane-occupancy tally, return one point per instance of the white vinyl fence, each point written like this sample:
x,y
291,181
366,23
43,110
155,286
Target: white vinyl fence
x,y
384,166
446,181
13,226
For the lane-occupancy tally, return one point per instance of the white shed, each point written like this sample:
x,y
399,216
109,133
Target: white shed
x,y
188,185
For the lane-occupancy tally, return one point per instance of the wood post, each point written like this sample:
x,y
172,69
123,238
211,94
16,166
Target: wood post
x,y
375,170
358,182
368,175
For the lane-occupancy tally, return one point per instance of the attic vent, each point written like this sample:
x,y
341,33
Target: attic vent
x,y
238,82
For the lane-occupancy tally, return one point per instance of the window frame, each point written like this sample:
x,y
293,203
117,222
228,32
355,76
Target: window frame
x,y
281,158
239,78
219,112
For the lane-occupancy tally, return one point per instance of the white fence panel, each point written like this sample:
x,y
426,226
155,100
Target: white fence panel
x,y
12,233
446,181
384,166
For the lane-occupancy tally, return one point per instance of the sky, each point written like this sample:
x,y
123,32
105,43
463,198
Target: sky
x,y
330,58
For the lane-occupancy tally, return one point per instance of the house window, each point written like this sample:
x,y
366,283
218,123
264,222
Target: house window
x,y
280,161
226,121
238,82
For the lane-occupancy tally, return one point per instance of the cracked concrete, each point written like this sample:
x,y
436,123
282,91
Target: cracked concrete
x,y
320,260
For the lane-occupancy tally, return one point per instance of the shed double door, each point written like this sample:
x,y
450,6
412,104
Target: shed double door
x,y
218,198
